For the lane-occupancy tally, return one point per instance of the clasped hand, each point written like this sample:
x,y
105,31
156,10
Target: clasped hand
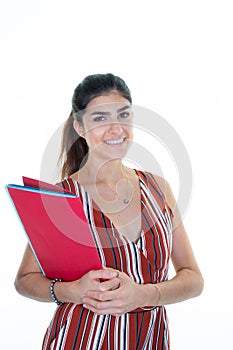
x,y
109,291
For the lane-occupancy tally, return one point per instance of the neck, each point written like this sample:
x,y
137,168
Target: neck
x,y
109,173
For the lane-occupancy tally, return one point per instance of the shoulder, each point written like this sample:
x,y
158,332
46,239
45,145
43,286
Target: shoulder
x,y
170,199
166,191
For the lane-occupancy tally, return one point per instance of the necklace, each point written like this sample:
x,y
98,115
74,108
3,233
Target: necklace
x,y
124,194
127,199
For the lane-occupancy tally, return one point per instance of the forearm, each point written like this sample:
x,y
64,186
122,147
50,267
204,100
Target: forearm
x,y
35,286
185,285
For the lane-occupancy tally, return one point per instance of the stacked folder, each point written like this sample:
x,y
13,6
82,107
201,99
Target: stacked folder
x,y
56,227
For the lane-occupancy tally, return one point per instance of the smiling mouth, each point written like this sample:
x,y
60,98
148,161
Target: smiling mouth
x,y
115,142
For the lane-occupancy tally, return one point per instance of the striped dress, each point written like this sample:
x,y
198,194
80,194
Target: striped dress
x,y
74,327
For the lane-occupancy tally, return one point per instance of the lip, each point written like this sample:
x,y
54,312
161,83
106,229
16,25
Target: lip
x,y
115,142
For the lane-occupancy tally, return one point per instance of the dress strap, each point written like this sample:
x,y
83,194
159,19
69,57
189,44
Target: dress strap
x,y
69,185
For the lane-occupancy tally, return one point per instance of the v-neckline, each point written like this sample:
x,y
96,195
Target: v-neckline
x,y
95,207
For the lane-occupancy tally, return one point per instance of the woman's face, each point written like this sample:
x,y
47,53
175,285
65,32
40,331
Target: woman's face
x,y
107,126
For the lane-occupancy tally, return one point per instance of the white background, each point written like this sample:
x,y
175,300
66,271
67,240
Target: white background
x,y
176,57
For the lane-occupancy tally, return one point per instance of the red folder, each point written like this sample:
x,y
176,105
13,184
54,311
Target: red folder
x,y
56,228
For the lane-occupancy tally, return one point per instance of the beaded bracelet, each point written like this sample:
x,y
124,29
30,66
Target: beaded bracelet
x,y
51,289
153,307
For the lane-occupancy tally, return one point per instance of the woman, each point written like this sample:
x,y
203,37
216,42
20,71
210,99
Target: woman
x,y
133,216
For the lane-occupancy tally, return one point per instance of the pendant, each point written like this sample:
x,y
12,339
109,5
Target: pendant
x,y
126,201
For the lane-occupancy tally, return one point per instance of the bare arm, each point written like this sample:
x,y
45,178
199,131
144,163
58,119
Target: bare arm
x,y
188,281
29,280
31,283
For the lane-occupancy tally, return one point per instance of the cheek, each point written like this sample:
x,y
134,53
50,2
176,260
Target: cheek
x,y
94,136
130,131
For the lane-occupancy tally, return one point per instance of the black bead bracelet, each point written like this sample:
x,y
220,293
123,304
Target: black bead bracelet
x,y
51,289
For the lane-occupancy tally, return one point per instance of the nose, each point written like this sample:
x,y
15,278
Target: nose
x,y
115,127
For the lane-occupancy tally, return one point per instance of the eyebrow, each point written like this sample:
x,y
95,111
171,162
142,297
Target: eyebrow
x,y
107,113
122,109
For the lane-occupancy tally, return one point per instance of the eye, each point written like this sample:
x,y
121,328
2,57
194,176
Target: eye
x,y
100,118
124,115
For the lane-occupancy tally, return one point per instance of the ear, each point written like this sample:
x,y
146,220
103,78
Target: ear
x,y
78,128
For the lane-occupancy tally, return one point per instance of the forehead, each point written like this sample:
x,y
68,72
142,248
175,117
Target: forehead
x,y
111,101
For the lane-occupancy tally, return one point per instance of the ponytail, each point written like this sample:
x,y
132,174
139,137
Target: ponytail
x,y
74,150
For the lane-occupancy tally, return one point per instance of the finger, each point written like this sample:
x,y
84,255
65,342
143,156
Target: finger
x,y
113,307
103,274
103,307
108,311
110,284
103,295
113,270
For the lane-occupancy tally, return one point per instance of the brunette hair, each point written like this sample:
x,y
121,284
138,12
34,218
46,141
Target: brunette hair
x,y
74,149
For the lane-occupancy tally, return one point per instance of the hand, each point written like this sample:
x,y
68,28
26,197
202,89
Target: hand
x,y
116,301
93,280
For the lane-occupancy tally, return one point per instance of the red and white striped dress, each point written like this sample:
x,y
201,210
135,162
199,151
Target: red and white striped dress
x,y
74,327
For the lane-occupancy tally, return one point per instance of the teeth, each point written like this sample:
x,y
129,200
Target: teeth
x,y
114,142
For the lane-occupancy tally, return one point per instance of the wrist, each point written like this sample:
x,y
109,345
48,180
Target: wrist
x,y
53,295
68,292
151,297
